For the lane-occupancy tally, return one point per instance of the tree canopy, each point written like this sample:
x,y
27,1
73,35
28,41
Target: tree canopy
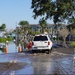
x,y
58,10
43,24
2,27
24,23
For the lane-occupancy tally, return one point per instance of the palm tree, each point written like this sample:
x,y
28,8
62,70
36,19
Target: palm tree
x,y
24,25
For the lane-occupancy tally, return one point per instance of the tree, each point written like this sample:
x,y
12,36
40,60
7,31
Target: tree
x,y
24,28
24,24
3,26
58,10
64,32
43,24
73,32
71,22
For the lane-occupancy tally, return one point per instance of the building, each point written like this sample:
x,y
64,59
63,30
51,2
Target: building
x,y
35,27
52,28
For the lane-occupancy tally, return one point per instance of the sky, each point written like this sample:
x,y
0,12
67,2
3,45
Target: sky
x,y
14,11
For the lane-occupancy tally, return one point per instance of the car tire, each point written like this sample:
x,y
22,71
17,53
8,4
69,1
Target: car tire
x,y
48,51
33,51
51,49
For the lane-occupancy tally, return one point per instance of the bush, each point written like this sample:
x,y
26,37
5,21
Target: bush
x,y
73,44
5,39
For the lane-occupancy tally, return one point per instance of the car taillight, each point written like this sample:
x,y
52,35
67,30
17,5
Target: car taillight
x,y
48,43
32,43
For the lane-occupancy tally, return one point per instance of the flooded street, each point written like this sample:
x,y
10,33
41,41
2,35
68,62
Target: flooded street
x,y
59,61
37,37
12,48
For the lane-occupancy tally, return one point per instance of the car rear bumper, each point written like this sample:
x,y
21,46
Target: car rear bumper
x,y
41,48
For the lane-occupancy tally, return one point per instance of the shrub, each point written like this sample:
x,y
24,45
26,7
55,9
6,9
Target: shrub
x,y
73,44
5,39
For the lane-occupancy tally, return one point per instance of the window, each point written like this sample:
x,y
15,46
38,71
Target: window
x,y
40,38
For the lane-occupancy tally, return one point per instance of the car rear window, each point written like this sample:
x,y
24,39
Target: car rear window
x,y
40,38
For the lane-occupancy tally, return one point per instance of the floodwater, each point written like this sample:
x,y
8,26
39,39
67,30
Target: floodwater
x,y
12,48
41,63
57,62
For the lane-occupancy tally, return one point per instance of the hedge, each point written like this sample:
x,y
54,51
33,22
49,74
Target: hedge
x,y
5,39
73,44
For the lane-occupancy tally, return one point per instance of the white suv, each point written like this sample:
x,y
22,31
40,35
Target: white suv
x,y
42,42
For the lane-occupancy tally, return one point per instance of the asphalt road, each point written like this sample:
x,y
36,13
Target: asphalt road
x,y
59,61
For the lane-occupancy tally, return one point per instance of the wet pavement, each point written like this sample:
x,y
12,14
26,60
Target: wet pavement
x,y
59,61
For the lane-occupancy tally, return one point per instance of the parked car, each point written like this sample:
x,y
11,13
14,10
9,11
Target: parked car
x,y
42,42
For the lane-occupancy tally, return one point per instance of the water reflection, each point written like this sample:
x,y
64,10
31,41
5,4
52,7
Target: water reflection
x,y
2,47
12,73
2,50
11,48
42,68
42,65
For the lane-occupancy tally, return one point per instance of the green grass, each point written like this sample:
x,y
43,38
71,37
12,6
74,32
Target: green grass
x,y
73,44
5,39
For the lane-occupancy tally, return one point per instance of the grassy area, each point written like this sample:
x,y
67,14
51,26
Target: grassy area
x,y
5,39
73,44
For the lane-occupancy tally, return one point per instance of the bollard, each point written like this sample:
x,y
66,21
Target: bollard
x,y
6,49
74,58
19,48
74,54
